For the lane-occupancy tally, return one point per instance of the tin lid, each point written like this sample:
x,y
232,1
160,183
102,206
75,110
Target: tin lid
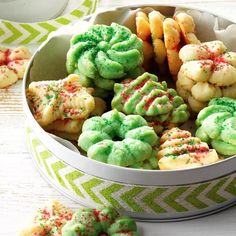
x,y
31,11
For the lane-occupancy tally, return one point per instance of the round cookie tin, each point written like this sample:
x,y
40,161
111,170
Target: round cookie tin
x,y
144,194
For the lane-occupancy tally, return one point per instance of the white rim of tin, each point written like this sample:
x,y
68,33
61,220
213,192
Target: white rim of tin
x,y
123,174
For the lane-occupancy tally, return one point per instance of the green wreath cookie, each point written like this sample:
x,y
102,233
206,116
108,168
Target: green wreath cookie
x,y
117,139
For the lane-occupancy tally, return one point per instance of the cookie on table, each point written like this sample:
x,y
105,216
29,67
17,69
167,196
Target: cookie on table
x,y
48,220
7,76
100,221
54,219
13,63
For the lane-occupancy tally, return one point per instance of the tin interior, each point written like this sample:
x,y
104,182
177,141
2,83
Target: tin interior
x,y
48,63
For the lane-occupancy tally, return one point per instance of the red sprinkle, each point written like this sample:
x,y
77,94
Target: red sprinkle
x,y
67,121
71,88
161,123
139,86
149,102
220,59
96,214
125,96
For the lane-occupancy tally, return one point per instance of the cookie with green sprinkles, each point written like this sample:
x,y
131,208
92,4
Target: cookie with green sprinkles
x,y
161,106
117,139
217,125
105,54
99,221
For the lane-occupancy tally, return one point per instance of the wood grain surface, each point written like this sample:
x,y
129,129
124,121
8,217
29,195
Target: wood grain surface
x,y
22,189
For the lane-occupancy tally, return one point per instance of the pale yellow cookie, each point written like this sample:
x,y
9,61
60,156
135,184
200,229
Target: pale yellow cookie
x,y
184,81
223,75
48,220
19,67
229,91
198,71
208,72
204,51
195,105
179,150
230,57
172,40
19,53
59,100
100,107
173,134
66,125
71,129
182,92
7,76
204,91
3,55
13,63
187,27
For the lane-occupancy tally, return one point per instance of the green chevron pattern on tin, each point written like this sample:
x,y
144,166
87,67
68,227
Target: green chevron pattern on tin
x,y
71,177
28,33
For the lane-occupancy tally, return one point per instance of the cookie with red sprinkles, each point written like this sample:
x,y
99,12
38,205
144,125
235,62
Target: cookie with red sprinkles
x,y
161,106
48,220
101,221
13,63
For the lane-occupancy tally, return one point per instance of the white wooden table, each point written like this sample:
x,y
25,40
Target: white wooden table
x,y
22,189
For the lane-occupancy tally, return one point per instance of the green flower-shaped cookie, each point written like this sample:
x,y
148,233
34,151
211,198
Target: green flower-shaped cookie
x,y
145,96
104,54
99,221
117,139
217,125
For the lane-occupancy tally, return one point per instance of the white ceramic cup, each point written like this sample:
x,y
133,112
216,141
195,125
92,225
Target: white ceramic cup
x,y
31,10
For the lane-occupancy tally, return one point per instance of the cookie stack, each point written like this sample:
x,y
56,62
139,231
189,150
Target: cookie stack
x,y
164,37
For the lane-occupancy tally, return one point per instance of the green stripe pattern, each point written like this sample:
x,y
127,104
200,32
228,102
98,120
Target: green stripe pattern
x,y
29,33
134,198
